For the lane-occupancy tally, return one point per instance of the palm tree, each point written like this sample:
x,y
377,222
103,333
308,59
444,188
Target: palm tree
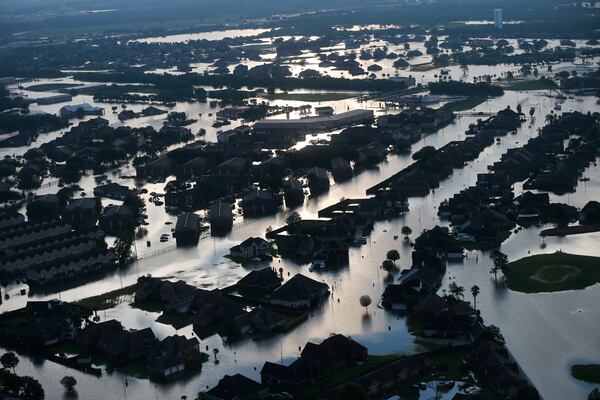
x,y
406,231
475,293
458,292
365,301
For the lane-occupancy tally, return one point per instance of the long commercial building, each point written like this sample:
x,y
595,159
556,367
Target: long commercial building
x,y
315,123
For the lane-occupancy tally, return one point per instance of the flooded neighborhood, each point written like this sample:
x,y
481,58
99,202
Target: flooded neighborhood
x,y
332,200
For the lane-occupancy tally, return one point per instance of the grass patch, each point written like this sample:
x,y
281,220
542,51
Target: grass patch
x,y
177,321
50,87
66,347
453,362
552,273
346,374
107,300
540,84
586,372
310,97
138,369
465,104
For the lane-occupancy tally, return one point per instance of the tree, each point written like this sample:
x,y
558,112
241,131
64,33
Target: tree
x,y
387,265
365,301
69,383
493,333
594,394
122,250
393,255
9,361
406,231
499,260
215,352
458,292
475,293
424,153
293,218
31,389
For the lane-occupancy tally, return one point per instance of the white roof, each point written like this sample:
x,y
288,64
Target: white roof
x,y
84,106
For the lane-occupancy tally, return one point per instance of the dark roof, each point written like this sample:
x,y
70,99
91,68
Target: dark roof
x,y
236,387
333,349
253,240
300,287
260,278
83,203
121,211
187,221
220,210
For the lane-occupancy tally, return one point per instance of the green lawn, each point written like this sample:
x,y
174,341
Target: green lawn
x,y
107,300
540,84
138,369
50,87
586,372
552,273
67,348
177,321
466,104
310,97
453,362
346,374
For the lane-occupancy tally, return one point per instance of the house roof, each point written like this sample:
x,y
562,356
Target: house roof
x,y
220,210
83,203
187,221
236,387
258,195
117,211
333,349
265,277
253,241
299,287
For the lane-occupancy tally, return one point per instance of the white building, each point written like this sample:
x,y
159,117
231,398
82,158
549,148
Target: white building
x,y
498,18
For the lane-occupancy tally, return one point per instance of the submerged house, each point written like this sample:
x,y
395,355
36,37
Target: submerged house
x,y
82,211
251,248
43,206
299,292
259,282
293,192
259,202
318,180
220,217
173,356
316,362
233,387
187,229
116,218
341,169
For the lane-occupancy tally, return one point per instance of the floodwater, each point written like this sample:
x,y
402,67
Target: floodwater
x,y
211,35
552,330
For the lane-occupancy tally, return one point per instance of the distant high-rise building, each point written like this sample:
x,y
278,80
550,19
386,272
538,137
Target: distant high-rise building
x,y
498,18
